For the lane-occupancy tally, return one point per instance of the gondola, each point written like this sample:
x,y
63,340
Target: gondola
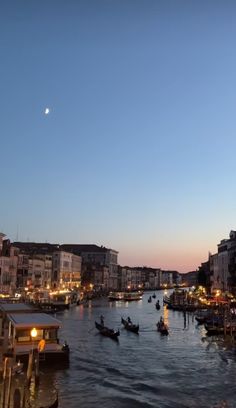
x,y
105,331
158,305
53,405
154,296
149,299
130,326
162,328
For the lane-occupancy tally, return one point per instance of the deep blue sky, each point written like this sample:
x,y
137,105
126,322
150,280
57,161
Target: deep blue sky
x,y
138,151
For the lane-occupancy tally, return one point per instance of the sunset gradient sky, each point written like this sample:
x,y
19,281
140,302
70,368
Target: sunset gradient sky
x,y
137,152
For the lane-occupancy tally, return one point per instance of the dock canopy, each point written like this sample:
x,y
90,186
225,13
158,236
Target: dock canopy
x,y
37,320
16,308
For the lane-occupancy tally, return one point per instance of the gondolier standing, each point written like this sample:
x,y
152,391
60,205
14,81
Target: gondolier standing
x,y
102,320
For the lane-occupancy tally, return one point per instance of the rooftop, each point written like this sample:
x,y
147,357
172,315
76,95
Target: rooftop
x,y
37,320
83,247
15,307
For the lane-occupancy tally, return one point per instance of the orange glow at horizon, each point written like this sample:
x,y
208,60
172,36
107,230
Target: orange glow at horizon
x,y
181,262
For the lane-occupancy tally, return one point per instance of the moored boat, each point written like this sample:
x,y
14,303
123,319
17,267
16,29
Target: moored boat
x,y
167,301
105,331
116,296
227,328
128,325
128,296
214,330
203,315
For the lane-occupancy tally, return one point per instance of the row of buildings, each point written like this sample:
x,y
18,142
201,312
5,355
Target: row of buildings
x,y
218,273
43,265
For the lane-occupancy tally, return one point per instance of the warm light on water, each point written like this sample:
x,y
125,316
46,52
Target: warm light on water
x,y
182,370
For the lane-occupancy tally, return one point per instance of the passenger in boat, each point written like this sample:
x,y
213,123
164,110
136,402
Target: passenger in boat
x,y
129,320
65,346
161,325
102,320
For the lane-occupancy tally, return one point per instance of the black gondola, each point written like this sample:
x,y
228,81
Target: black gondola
x,y
149,299
158,305
105,331
162,328
130,326
154,296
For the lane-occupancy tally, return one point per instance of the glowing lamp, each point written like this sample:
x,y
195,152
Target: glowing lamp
x,y
33,333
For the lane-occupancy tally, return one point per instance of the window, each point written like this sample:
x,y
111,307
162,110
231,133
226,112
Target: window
x,y
50,334
24,335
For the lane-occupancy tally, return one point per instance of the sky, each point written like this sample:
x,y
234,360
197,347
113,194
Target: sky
x,y
137,152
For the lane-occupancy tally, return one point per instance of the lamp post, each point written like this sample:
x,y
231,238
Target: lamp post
x,y
33,334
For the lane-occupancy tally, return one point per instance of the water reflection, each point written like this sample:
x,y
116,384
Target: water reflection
x,y
183,370
166,315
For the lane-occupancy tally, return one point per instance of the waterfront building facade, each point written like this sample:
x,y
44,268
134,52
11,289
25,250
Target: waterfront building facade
x,y
223,261
151,278
232,263
97,255
129,278
95,277
66,270
35,273
214,273
190,278
221,266
33,265
167,278
36,265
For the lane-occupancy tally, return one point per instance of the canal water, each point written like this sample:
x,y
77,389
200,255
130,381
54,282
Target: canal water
x,y
183,370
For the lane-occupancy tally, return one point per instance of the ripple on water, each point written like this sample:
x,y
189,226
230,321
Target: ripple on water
x,y
176,371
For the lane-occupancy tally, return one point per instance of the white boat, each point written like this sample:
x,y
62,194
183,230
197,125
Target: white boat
x,y
128,296
116,296
58,299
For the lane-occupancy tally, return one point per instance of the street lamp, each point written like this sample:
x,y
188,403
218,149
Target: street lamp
x,y
33,334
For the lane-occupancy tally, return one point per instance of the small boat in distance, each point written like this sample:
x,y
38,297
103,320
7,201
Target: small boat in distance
x,y
204,315
128,296
162,327
128,325
154,296
116,296
105,331
150,299
158,305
